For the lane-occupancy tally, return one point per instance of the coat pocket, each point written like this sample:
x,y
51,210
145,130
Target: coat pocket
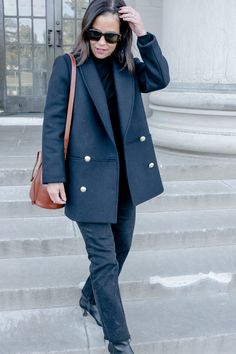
x,y
142,152
143,169
89,181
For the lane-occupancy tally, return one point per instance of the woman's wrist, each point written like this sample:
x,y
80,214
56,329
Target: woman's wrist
x,y
143,33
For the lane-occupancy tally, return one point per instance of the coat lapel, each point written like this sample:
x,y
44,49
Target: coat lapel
x,y
124,85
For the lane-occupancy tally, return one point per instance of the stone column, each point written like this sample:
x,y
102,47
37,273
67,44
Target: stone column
x,y
197,111
151,12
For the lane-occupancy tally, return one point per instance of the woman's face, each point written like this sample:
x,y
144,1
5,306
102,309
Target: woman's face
x,y
105,23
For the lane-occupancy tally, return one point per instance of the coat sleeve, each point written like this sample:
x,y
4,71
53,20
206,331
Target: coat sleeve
x,y
55,111
153,72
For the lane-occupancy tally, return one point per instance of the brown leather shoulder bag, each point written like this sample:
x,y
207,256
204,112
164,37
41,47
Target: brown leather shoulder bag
x,y
38,191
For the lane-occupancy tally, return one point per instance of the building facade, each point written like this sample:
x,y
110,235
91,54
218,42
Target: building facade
x,y
196,112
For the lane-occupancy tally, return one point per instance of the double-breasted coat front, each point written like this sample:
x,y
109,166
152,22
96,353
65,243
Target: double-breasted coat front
x,y
91,170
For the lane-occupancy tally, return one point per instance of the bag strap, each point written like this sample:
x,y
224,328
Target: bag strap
x,y
70,103
36,166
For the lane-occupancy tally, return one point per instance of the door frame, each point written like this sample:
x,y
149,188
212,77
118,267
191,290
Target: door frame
x,y
2,57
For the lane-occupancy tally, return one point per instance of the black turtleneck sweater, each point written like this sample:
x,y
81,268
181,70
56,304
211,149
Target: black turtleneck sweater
x,y
104,68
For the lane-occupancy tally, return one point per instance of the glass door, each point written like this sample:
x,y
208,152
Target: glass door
x,y
34,33
72,12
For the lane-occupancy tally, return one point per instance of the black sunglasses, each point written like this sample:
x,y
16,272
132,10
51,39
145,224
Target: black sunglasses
x,y
110,37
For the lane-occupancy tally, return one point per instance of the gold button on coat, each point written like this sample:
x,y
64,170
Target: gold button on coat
x,y
83,189
151,164
142,138
87,158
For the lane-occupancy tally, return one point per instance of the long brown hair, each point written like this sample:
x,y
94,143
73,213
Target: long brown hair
x,y
123,49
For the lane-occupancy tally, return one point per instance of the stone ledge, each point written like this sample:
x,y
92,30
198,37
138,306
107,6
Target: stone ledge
x,y
199,122
203,100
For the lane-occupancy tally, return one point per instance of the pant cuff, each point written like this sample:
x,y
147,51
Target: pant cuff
x,y
117,340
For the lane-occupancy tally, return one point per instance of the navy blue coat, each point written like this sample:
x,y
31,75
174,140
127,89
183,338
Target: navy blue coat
x,y
92,160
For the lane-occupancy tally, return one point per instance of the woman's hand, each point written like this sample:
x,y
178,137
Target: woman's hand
x,y
56,192
128,13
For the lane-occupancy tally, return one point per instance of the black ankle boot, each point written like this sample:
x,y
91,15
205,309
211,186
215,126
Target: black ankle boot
x,y
92,309
120,347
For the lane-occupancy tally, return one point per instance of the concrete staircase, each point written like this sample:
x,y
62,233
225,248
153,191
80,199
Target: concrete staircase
x,y
178,283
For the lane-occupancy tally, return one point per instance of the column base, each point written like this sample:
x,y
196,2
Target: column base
x,y
200,122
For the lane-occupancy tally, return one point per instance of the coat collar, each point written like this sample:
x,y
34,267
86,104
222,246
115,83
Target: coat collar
x,y
124,85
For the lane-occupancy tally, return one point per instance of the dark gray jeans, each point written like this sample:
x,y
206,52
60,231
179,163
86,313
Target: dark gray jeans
x,y
107,246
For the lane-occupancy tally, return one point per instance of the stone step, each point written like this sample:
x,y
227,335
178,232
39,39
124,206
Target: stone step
x,y
56,281
15,202
58,236
39,236
179,195
20,143
178,166
17,170
193,195
180,325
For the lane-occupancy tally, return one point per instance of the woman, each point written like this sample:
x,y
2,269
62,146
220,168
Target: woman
x,y
111,165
